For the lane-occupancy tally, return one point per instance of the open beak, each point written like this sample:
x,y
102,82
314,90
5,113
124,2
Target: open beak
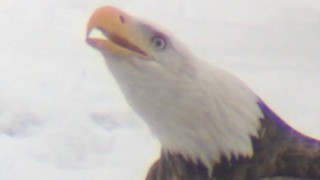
x,y
118,33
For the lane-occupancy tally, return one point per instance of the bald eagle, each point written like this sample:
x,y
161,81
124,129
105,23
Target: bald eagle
x,y
210,124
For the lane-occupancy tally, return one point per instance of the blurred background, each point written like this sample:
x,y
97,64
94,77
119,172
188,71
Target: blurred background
x,y
63,117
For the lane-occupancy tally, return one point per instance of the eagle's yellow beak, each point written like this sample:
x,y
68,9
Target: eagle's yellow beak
x,y
119,30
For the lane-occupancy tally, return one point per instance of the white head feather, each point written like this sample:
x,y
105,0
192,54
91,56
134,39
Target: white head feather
x,y
194,108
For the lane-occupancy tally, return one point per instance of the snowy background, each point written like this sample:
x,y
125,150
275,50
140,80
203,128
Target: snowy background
x,y
63,117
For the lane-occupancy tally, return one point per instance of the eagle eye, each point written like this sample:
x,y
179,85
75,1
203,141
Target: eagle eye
x,y
159,42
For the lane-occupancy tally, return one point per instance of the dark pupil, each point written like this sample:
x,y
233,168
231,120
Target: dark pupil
x,y
158,43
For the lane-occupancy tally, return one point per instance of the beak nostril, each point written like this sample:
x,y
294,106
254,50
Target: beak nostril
x,y
122,19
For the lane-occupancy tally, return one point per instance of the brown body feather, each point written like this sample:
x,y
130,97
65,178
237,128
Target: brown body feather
x,y
280,151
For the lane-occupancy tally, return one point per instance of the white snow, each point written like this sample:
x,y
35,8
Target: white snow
x,y
63,117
